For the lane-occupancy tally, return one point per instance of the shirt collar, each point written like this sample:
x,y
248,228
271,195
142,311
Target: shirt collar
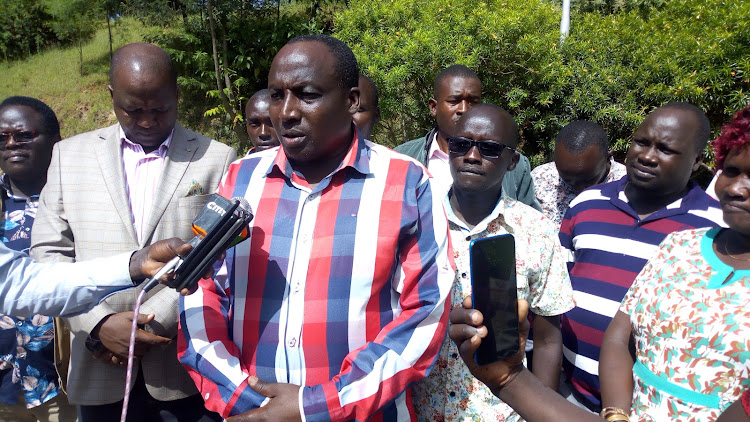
x,y
496,214
607,177
693,199
435,150
357,158
5,187
161,151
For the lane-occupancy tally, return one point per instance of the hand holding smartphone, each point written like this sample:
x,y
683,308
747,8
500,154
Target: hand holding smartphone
x,y
493,283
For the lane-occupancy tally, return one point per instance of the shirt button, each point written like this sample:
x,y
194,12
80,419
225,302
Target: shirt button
x,y
468,238
206,396
19,323
296,287
463,275
454,355
452,394
292,342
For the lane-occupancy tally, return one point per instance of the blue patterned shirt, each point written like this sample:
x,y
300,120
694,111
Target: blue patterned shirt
x,y
26,345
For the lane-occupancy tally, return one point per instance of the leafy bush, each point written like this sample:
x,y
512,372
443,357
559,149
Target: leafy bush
x,y
613,68
253,33
614,6
24,28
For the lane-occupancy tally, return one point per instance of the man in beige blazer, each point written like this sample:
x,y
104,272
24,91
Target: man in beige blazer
x,y
114,190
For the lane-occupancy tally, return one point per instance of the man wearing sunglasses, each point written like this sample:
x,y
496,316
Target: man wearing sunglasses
x,y
28,131
457,89
481,153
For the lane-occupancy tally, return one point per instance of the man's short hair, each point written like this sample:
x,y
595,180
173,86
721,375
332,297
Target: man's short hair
x,y
375,95
345,63
578,135
704,126
453,71
493,108
154,61
49,118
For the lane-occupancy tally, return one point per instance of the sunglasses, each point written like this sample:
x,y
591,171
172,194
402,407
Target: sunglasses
x,y
23,137
488,149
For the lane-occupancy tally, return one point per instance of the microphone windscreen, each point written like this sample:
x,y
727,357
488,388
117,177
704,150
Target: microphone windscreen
x,y
247,210
243,204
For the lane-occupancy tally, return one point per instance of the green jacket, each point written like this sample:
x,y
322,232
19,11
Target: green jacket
x,y
517,183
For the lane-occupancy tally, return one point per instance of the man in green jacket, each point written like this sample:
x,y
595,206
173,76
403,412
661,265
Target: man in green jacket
x,y
456,89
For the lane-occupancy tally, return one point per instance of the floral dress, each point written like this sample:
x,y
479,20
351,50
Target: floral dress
x,y
690,315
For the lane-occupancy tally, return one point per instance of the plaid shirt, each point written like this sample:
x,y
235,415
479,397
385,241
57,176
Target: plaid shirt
x,y
342,289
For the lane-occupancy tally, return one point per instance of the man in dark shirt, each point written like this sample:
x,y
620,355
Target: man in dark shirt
x,y
457,89
29,386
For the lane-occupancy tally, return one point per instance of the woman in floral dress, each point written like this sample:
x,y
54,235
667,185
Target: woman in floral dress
x,y
688,311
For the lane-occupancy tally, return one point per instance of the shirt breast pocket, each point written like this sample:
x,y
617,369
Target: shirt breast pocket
x,y
181,213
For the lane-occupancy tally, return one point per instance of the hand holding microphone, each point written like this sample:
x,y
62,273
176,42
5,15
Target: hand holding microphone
x,y
221,224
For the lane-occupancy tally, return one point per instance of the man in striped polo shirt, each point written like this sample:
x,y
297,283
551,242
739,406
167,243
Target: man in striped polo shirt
x,y
611,230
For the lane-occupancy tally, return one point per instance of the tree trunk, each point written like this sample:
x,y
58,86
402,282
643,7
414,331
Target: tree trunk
x,y
80,53
230,110
109,29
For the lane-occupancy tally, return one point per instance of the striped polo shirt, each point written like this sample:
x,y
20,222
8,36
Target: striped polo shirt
x,y
607,246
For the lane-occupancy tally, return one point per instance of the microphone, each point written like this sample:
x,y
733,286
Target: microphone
x,y
221,224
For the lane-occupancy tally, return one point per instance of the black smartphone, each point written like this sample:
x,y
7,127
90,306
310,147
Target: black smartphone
x,y
493,292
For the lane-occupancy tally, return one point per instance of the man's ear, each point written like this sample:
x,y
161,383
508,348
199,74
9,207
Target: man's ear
x,y
698,161
111,91
353,99
432,103
514,160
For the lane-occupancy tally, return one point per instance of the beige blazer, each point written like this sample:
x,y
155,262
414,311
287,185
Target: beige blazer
x,y
84,213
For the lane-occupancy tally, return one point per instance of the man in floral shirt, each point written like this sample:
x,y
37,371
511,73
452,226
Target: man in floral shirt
x,y
582,160
480,154
29,388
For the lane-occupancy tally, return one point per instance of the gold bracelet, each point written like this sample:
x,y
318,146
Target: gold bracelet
x,y
614,414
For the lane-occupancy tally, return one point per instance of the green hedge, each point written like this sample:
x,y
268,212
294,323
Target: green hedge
x,y
613,68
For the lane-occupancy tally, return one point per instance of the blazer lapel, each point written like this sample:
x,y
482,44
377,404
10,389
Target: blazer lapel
x,y
179,155
109,157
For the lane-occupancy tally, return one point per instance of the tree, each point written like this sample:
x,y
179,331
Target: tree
x,y
75,20
24,28
224,87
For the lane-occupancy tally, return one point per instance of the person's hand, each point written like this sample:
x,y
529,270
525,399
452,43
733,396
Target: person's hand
x,y
145,263
114,333
283,406
110,358
467,331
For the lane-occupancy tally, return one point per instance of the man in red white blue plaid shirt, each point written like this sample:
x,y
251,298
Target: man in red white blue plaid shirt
x,y
338,303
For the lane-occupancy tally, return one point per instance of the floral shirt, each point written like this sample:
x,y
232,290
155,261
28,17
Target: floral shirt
x,y
26,345
450,392
555,195
690,314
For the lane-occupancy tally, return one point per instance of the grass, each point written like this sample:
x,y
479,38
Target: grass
x,y
81,102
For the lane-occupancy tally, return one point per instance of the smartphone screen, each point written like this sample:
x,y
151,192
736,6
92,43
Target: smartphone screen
x,y
493,284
